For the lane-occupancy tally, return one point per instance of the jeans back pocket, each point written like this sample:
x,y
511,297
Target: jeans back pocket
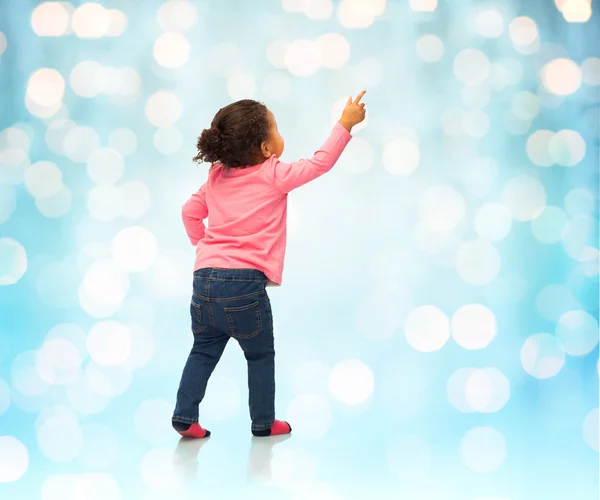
x,y
244,321
197,317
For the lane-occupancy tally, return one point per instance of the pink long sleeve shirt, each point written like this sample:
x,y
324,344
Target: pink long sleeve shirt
x,y
247,209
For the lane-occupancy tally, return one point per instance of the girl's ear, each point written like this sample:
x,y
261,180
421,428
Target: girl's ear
x,y
264,147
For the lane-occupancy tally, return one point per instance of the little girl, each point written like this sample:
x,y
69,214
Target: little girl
x,y
242,250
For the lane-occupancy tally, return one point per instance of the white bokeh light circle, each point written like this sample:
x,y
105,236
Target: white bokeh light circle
x,y
591,71
590,430
579,234
476,123
4,396
100,446
477,262
401,156
105,166
319,9
525,105
168,140
25,377
492,222
335,50
567,148
171,50
134,248
538,148
303,57
136,199
541,356
58,361
430,48
105,202
109,343
577,333
351,382
472,67
3,43
79,143
355,14
88,79
311,415
108,381
561,77
477,98
45,87
43,179
409,457
13,261
523,31
142,347
50,19
163,109
473,326
276,53
13,165
555,300
55,205
549,226
487,390
152,421
241,85
456,389
427,329
104,287
525,197
14,459
60,438
83,399
489,23
90,20
123,140
177,15
117,22
483,449
441,208
214,407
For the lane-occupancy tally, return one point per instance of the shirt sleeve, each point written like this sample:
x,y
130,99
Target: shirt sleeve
x,y
193,214
289,176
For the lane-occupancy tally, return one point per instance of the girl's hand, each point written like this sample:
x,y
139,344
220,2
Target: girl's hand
x,y
354,112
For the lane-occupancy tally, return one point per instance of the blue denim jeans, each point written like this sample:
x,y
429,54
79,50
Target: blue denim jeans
x,y
230,303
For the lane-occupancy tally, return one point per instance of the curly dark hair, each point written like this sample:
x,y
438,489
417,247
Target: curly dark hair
x,y
235,135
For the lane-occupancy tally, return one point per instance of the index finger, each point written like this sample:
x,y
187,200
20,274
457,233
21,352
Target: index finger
x,y
359,97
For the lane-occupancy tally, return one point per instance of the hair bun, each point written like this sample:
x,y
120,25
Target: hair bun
x,y
210,144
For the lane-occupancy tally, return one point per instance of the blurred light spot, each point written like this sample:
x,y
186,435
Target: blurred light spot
x,y
100,446
277,86
88,79
25,377
523,31
123,140
80,142
476,123
55,134
60,438
45,87
456,389
104,287
163,109
555,300
109,343
561,77
14,459
3,43
83,399
90,20
477,262
525,197
577,11
427,329
590,259
538,148
471,67
401,156
134,248
43,179
241,86
8,202
591,71
549,226
487,390
357,14
423,5
152,420
214,407
525,105
136,199
117,23
516,126
70,332
567,148
409,457
483,449
171,50
590,429
577,333
580,233
105,166
489,23
295,6
351,382
170,275
479,176
168,140
19,137
58,487
276,53
13,261
430,48
541,356
476,97
311,415
335,50
303,58
360,156
4,396
13,165
473,326
105,202
50,19
58,362
441,208
142,347
320,9
108,381
492,222
452,121
158,471
177,16
55,205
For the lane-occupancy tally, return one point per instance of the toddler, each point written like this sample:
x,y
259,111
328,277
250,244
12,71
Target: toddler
x,y
241,252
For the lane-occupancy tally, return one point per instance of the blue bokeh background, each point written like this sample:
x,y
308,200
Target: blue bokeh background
x,y
437,331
